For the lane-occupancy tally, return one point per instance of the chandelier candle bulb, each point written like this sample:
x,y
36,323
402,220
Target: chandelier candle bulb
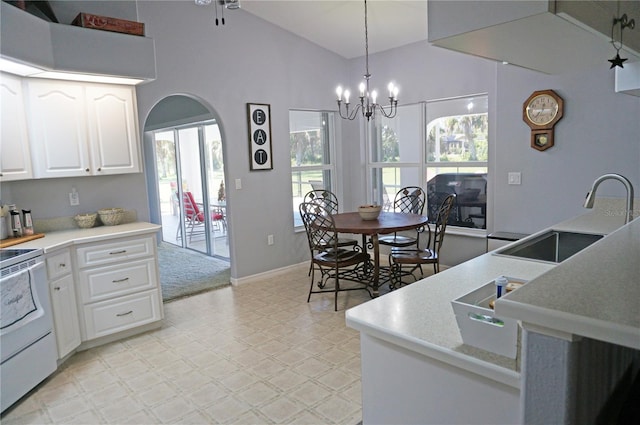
x,y
346,96
339,93
374,97
362,87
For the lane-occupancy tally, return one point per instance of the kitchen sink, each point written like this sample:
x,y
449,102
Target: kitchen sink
x,y
553,246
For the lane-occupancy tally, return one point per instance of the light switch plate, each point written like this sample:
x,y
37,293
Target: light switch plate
x,y
514,178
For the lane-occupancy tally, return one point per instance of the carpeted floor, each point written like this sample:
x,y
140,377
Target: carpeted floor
x,y
184,272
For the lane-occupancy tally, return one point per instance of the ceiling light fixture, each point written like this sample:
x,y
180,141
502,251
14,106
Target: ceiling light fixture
x,y
224,4
368,104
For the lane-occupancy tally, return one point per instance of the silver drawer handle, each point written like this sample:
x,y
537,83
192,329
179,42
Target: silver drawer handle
x,y
118,252
57,288
124,314
62,265
120,280
486,319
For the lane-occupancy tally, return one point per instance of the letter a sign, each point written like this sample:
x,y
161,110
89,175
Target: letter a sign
x,y
259,116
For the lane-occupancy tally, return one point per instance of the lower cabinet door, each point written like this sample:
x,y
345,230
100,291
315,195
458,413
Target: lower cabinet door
x,y
122,313
65,315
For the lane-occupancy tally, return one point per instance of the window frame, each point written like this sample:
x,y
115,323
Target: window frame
x,y
422,164
328,169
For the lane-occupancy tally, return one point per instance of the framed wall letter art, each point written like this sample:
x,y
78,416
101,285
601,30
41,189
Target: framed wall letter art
x,y
260,136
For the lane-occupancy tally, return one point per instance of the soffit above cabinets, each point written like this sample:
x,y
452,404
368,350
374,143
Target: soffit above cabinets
x,y
529,34
48,46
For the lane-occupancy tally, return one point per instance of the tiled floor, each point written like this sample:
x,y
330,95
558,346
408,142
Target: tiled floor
x,y
253,354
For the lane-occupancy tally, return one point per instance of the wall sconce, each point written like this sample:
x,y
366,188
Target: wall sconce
x,y
624,23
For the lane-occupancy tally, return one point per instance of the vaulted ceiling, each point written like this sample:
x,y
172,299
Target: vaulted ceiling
x,y
339,25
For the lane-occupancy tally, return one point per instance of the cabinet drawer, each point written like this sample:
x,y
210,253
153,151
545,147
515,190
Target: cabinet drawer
x,y
100,283
111,316
106,253
59,264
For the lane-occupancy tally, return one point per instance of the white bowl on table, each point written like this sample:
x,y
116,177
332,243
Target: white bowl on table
x,y
369,212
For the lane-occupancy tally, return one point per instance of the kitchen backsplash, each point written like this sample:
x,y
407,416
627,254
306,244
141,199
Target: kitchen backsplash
x,y
68,223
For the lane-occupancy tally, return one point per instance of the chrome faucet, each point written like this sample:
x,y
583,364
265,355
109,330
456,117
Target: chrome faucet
x,y
588,203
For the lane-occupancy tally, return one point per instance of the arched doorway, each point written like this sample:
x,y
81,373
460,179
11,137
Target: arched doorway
x,y
186,179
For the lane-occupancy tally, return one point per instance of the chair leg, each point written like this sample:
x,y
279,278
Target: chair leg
x,y
312,272
335,298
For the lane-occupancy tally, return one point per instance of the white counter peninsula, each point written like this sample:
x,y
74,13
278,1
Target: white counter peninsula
x,y
417,370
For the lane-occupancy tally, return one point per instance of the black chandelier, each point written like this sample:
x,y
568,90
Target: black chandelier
x,y
368,99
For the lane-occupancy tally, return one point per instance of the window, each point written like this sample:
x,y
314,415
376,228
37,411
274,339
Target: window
x,y
457,157
441,146
395,150
311,135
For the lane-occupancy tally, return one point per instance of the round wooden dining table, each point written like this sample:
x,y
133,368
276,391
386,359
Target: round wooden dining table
x,y
387,222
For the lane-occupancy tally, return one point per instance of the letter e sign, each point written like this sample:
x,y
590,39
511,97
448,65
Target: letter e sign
x,y
260,136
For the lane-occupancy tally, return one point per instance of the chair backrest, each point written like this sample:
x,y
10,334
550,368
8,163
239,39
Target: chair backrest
x,y
410,199
323,197
441,221
191,209
319,225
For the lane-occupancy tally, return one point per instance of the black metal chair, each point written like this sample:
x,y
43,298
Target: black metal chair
x,y
328,200
410,199
334,263
416,257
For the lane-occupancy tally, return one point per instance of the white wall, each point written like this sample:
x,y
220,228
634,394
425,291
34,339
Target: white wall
x,y
246,60
599,133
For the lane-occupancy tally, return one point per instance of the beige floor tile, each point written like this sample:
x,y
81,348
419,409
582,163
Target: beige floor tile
x,y
156,394
281,409
249,354
172,410
227,410
258,394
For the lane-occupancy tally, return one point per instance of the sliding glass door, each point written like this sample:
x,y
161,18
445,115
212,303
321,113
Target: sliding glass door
x,y
192,188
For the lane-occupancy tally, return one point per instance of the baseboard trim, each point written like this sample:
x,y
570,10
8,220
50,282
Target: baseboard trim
x,y
271,273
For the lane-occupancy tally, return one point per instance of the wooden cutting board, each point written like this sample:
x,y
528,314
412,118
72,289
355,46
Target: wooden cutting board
x,y
15,241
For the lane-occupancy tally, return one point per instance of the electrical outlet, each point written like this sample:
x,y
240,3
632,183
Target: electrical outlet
x,y
269,239
238,184
514,178
74,198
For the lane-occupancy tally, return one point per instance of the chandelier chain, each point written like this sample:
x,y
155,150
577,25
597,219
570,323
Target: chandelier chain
x,y
366,43
368,104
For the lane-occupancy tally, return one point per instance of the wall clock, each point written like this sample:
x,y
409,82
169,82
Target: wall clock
x,y
541,111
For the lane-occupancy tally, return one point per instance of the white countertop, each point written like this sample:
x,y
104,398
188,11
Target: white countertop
x,y
64,238
419,316
595,293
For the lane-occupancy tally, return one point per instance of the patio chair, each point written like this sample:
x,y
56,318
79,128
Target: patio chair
x,y
194,217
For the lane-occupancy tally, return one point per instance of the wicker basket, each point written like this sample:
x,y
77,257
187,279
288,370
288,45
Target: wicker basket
x,y
86,221
111,216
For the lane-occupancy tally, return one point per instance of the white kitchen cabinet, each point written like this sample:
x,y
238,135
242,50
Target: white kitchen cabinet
x,y
15,155
63,301
113,129
82,129
119,286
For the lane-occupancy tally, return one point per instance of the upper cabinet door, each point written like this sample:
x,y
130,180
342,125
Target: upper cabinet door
x,y
15,157
113,129
58,129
